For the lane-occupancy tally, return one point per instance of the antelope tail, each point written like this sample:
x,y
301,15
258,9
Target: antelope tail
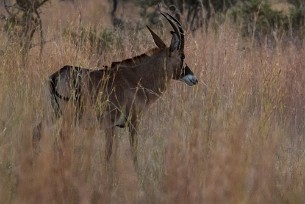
x,y
55,96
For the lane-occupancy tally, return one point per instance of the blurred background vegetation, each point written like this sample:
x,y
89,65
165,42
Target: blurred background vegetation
x,y
255,18
260,20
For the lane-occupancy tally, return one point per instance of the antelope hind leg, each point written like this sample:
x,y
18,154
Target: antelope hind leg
x,y
36,137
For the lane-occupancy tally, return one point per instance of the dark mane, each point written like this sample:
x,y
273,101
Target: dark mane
x,y
137,59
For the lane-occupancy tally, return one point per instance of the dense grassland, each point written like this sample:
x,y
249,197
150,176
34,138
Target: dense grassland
x,y
237,137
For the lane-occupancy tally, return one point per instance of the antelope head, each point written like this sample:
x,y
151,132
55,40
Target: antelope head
x,y
176,65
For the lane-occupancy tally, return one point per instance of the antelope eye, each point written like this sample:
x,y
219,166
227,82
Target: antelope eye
x,y
182,57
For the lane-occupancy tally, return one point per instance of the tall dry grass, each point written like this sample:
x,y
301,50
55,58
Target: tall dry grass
x,y
237,137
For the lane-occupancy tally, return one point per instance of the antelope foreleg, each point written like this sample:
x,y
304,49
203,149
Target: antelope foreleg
x,y
133,139
109,133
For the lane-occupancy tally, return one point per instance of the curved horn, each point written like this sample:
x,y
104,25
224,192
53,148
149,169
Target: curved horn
x,y
180,30
174,27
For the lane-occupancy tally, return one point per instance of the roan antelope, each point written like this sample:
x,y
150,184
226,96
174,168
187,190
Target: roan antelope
x,y
122,92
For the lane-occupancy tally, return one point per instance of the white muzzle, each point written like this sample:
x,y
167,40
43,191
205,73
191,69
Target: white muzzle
x,y
189,79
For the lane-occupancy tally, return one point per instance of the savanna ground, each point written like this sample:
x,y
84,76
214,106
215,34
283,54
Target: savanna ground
x,y
236,137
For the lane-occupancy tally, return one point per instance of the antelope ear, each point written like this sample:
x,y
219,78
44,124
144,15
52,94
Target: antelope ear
x,y
157,39
175,42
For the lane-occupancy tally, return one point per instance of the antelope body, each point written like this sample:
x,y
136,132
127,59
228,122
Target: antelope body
x,y
122,92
